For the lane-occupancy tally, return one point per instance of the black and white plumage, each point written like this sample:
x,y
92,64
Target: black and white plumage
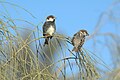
x,y
49,28
79,39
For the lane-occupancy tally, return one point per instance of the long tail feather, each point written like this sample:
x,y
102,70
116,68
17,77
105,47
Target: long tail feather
x,y
46,41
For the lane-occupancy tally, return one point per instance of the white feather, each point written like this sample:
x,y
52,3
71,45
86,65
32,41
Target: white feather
x,y
50,19
51,30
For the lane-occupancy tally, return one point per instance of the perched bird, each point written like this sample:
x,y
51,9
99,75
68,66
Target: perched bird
x,y
79,39
49,28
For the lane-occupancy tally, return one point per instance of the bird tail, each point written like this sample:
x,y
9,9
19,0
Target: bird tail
x,y
46,41
75,49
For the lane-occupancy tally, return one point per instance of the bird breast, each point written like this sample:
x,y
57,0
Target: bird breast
x,y
51,30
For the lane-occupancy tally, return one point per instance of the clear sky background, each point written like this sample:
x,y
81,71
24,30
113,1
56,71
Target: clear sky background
x,y
72,15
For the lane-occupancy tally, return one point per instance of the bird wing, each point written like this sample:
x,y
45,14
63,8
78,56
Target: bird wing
x,y
75,39
45,27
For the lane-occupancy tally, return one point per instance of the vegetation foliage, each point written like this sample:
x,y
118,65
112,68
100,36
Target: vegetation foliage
x,y
23,57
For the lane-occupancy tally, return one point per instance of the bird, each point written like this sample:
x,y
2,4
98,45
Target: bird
x,y
49,28
79,39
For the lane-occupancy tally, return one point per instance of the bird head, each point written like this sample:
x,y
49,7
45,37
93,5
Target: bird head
x,y
50,18
84,33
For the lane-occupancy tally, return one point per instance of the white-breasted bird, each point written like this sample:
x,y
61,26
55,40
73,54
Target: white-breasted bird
x,y
49,28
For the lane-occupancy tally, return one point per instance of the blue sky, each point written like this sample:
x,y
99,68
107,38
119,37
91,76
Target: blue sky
x,y
72,15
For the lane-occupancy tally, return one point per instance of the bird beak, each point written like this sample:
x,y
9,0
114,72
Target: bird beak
x,y
55,18
87,34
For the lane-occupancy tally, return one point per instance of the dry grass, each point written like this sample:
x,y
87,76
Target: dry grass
x,y
25,57
20,62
